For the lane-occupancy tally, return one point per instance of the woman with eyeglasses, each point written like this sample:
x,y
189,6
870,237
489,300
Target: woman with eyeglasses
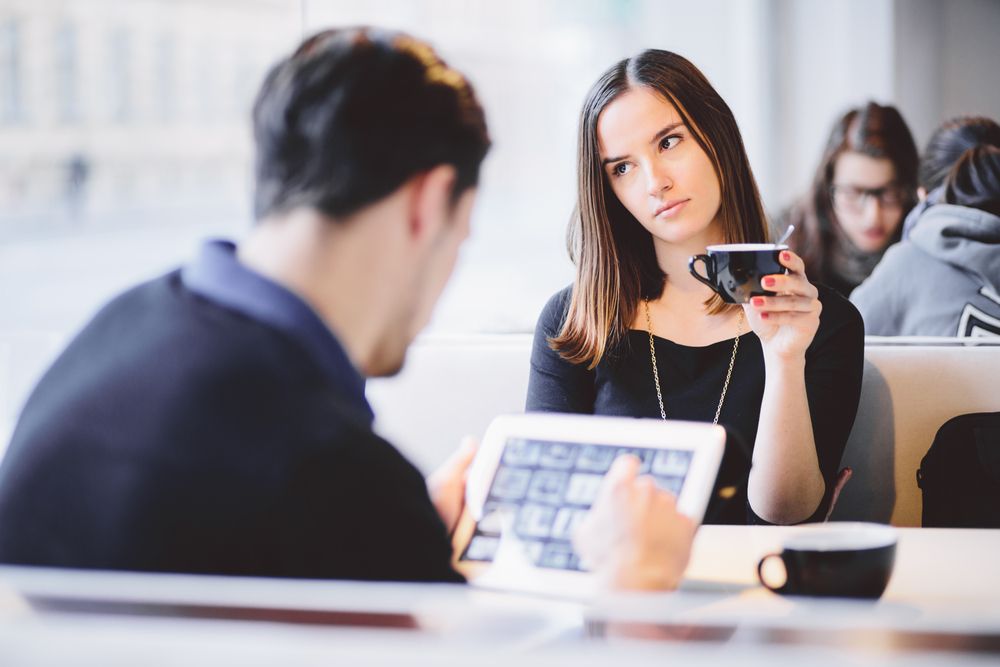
x,y
943,279
865,184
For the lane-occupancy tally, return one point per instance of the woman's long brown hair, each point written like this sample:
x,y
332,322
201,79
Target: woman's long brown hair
x,y
875,131
616,266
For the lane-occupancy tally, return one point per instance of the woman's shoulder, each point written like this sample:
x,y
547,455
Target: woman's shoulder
x,y
838,314
554,311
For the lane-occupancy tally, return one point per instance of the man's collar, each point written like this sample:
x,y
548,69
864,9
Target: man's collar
x,y
218,275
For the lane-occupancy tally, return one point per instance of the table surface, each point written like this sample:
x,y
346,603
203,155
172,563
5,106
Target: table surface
x,y
933,565
942,606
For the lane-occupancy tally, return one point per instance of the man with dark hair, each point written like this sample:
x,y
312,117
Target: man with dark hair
x,y
214,420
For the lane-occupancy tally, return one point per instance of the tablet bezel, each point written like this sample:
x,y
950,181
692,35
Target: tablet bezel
x,y
706,442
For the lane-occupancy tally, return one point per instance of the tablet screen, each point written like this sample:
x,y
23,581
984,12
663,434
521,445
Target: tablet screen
x,y
546,487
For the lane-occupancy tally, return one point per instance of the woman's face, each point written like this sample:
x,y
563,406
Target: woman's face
x,y
657,170
866,200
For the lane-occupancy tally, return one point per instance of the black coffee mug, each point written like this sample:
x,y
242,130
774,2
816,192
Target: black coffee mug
x,y
851,560
734,270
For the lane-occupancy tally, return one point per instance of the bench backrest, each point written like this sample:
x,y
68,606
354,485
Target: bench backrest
x,y
454,386
908,392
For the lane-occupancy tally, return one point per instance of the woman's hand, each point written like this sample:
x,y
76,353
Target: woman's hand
x,y
786,323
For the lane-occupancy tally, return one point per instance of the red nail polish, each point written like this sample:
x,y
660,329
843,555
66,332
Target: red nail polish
x,y
764,316
757,301
786,256
768,281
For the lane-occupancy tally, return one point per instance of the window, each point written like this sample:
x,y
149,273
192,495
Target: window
x,y
165,68
119,82
133,185
10,71
66,75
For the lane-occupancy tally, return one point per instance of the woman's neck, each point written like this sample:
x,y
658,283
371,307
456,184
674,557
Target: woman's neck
x,y
680,314
673,260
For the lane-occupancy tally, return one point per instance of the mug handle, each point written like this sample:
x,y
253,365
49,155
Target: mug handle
x,y
760,574
707,260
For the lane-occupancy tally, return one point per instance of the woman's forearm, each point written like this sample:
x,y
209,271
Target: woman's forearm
x,y
786,485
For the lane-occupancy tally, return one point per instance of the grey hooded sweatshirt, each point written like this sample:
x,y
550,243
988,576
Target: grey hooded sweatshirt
x,y
944,280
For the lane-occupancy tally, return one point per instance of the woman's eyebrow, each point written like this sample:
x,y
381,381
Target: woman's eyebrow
x,y
665,131
659,135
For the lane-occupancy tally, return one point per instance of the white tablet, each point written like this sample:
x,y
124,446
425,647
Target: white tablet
x,y
536,475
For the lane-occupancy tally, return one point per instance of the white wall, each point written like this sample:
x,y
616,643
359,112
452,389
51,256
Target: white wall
x,y
934,59
829,57
946,60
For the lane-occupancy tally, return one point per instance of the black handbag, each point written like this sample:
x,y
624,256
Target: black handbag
x,y
960,474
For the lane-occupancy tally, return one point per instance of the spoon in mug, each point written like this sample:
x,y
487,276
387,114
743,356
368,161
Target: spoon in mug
x,y
784,237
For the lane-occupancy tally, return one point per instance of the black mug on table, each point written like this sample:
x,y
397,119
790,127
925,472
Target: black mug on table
x,y
850,559
735,269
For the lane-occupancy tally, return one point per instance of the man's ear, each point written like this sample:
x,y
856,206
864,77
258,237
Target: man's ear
x,y
431,203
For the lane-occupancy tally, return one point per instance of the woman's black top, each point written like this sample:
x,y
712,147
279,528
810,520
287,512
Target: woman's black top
x,y
691,380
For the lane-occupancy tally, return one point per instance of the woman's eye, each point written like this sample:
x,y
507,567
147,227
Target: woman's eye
x,y
621,169
669,142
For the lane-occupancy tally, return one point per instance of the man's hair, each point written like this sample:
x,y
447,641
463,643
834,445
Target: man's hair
x,y
353,114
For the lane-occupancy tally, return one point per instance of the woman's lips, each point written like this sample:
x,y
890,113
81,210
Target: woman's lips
x,y
671,208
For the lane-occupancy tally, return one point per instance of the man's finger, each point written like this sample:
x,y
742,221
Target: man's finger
x,y
462,457
624,469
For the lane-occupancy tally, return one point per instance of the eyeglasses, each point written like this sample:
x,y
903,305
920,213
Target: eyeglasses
x,y
853,198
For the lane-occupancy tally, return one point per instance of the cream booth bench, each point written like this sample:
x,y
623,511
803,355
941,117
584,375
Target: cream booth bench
x,y
453,386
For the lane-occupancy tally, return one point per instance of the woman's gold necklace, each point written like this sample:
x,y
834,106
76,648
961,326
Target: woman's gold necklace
x,y
656,373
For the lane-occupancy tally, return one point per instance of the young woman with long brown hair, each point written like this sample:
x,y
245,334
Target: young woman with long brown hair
x,y
662,175
863,187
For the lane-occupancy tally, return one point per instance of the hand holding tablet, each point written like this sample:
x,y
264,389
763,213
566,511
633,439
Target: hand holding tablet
x,y
535,478
446,485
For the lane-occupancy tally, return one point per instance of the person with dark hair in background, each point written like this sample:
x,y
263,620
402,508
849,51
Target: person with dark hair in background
x,y
865,183
943,279
945,146
662,174
214,420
